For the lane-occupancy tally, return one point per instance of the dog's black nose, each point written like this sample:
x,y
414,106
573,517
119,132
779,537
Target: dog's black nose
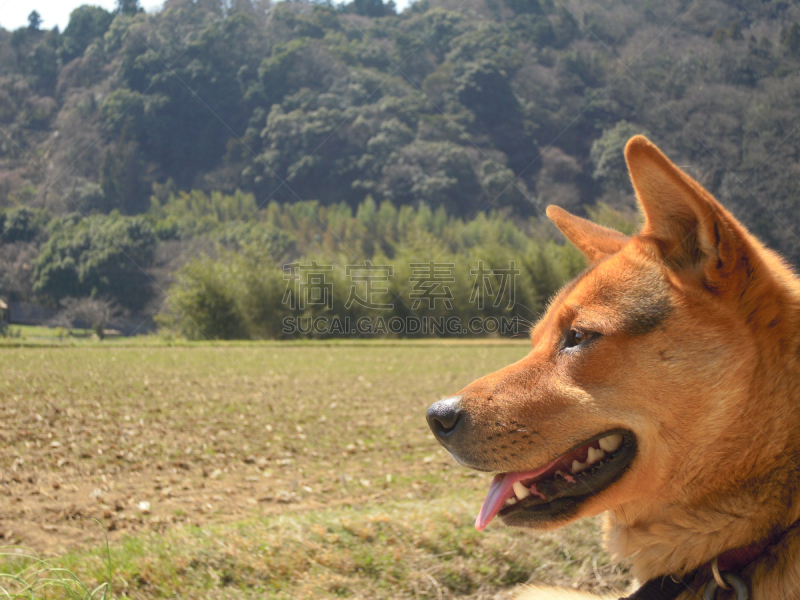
x,y
444,417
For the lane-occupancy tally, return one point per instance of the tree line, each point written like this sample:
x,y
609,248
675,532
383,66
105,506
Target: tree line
x,y
253,269
306,270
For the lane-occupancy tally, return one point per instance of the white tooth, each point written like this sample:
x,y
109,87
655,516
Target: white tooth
x,y
511,501
521,491
611,442
594,456
577,466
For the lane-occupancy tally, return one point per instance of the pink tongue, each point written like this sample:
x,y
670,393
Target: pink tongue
x,y
495,499
500,491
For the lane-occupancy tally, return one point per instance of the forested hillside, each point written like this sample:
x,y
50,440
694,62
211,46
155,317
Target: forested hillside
x,y
467,105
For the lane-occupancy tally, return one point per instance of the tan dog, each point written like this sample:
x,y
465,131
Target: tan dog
x,y
663,388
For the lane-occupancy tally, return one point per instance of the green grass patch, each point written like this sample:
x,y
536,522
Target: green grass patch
x,y
400,549
26,576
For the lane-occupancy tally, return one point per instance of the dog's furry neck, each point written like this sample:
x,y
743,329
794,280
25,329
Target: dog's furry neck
x,y
689,538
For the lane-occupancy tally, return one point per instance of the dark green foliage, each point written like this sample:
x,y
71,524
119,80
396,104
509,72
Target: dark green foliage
x,y
42,65
276,73
128,7
96,256
371,8
90,199
790,39
485,89
34,21
607,155
21,224
188,98
123,180
525,6
86,24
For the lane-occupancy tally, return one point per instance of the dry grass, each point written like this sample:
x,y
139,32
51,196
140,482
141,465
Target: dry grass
x,y
238,471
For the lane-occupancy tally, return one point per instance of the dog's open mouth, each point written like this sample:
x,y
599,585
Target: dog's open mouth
x,y
560,486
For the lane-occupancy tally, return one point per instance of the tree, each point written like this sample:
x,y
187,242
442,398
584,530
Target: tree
x,y
128,7
22,224
525,6
87,313
43,65
34,21
790,38
371,8
123,179
86,24
89,199
607,155
99,256
485,89
190,110
16,260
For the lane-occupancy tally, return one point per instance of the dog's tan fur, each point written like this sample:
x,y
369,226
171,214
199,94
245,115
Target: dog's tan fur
x,y
698,356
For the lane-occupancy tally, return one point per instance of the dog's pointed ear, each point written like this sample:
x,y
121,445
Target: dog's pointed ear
x,y
691,229
594,241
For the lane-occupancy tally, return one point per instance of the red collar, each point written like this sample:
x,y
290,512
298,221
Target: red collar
x,y
738,558
667,588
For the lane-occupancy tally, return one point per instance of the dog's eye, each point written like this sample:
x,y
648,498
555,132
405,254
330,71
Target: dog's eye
x,y
576,337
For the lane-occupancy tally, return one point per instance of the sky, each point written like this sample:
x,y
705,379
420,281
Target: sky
x,y
14,13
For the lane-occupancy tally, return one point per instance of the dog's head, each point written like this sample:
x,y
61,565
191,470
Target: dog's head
x,y
635,393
